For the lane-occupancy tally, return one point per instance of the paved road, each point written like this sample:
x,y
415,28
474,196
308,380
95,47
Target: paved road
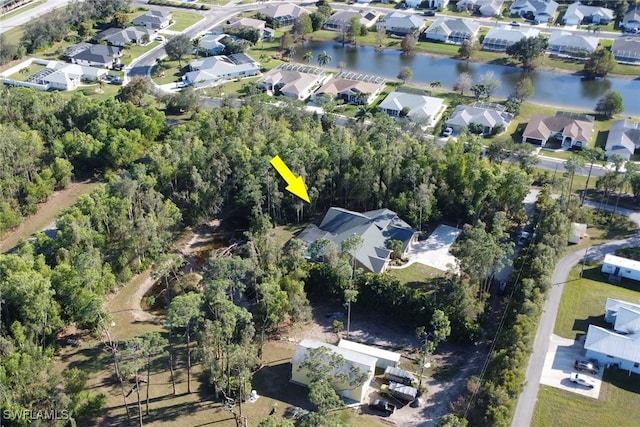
x,y
528,398
22,18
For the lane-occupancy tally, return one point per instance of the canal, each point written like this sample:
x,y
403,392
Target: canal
x,y
551,88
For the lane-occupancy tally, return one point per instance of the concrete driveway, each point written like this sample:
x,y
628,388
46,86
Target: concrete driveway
x,y
558,366
434,251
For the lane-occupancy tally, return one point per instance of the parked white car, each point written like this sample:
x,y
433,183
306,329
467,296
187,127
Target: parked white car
x,y
582,380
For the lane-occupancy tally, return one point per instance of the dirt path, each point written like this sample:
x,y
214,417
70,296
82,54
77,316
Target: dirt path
x,y
46,214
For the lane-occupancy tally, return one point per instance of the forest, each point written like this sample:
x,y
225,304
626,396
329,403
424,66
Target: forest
x,y
159,178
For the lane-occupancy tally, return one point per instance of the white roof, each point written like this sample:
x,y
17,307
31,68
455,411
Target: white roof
x,y
627,321
575,41
365,362
617,261
615,305
607,342
420,106
510,34
371,351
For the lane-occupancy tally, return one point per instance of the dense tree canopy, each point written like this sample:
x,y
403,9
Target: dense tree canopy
x,y
528,50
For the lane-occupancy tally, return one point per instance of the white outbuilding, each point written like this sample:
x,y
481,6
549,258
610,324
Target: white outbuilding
x,y
385,357
353,362
618,267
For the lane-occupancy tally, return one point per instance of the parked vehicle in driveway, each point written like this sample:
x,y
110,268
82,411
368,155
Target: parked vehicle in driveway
x,y
447,132
383,406
582,380
583,365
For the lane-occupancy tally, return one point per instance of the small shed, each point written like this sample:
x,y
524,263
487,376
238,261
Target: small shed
x,y
385,357
398,375
402,392
353,361
578,231
621,267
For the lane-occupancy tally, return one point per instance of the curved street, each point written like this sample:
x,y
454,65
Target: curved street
x,y
528,397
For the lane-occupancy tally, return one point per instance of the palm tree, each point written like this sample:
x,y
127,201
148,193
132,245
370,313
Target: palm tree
x,y
308,57
196,46
324,58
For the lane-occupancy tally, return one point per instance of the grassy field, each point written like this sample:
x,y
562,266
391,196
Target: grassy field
x,y
183,20
618,404
416,275
583,300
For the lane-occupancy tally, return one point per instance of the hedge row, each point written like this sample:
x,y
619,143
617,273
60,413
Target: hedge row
x,y
183,5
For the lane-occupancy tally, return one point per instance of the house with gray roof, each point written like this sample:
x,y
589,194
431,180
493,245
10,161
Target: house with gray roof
x,y
352,88
613,306
631,19
419,108
570,130
577,13
403,23
481,7
500,38
626,50
217,69
251,23
376,228
567,44
341,20
293,80
284,13
124,36
452,30
154,19
97,55
540,10
623,139
489,116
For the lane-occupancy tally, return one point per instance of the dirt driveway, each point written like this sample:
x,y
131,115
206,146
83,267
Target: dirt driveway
x,y
452,365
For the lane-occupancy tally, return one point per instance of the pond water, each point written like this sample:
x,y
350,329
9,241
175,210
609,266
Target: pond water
x,y
559,89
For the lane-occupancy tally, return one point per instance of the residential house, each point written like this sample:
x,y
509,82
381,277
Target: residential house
x,y
623,139
434,4
97,55
123,37
212,44
500,38
293,81
538,10
481,7
352,88
341,20
402,23
621,267
619,347
613,306
631,20
154,19
419,108
216,69
355,363
492,117
59,76
376,228
564,43
572,130
577,13
384,357
626,50
255,24
452,30
284,13
612,349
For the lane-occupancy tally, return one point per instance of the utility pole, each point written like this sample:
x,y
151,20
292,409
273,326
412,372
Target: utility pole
x,y
584,259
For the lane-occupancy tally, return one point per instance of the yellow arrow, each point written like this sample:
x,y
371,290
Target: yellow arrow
x,y
295,185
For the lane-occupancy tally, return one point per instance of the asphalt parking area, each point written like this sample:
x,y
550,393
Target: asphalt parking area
x,y
558,366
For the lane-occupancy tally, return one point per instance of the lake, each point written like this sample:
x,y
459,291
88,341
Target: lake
x,y
558,89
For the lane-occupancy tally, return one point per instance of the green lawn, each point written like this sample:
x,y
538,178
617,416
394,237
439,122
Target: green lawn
x,y
618,404
183,20
417,275
583,300
26,72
